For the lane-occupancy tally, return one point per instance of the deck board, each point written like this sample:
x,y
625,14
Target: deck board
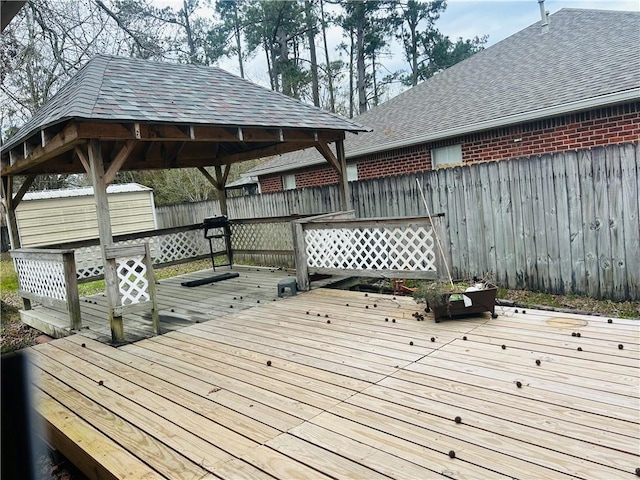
x,y
178,306
347,399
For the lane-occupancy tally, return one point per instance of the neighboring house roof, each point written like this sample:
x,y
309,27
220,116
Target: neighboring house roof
x,y
242,181
84,191
131,89
588,58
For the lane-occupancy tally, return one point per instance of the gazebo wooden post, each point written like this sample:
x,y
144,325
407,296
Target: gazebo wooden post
x,y
96,166
10,211
221,181
345,197
11,203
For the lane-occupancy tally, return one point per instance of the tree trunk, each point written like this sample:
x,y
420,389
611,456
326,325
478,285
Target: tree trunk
x,y
414,56
375,80
187,28
351,74
332,101
283,63
236,26
311,35
362,92
270,67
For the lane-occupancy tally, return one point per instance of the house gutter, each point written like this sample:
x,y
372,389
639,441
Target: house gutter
x,y
557,110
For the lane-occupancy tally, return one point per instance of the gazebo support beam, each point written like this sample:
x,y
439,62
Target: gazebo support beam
x,y
345,197
118,161
219,183
339,164
96,165
328,155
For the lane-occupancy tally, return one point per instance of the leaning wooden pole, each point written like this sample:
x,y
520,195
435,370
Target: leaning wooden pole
x,y
435,233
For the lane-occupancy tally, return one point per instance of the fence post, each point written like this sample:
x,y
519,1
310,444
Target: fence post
x,y
71,285
300,256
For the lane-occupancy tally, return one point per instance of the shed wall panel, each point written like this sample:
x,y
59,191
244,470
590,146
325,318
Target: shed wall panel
x,y
57,220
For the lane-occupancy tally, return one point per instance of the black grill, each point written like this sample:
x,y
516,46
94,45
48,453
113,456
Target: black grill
x,y
214,223
218,227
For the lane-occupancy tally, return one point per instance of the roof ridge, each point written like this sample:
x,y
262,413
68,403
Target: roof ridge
x,y
98,88
596,10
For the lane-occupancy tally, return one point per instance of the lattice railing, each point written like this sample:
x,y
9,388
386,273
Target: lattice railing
x,y
391,248
252,239
170,247
134,286
42,277
261,236
47,276
370,248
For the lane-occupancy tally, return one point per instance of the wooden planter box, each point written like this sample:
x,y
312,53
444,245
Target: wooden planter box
x,y
482,301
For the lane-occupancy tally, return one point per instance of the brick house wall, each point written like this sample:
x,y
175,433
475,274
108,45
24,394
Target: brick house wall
x,y
610,125
271,184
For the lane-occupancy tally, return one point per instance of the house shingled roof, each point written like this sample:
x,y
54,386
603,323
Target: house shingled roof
x,y
120,89
587,55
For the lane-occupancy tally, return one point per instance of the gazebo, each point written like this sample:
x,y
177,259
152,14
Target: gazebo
x,y
125,114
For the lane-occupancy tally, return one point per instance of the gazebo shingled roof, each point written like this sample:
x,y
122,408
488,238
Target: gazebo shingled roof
x,y
211,116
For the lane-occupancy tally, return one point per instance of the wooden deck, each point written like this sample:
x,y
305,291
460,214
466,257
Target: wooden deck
x,y
276,391
178,306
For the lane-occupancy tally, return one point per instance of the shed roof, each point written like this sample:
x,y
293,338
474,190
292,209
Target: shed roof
x,y
242,181
84,191
588,58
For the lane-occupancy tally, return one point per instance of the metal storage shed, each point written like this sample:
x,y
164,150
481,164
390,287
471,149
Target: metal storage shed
x,y
52,217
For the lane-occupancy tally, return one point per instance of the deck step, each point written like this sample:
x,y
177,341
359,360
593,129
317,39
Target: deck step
x,y
47,321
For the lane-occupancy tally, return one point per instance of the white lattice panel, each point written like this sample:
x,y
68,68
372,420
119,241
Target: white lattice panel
x,y
42,277
409,248
164,249
133,283
88,262
262,236
183,245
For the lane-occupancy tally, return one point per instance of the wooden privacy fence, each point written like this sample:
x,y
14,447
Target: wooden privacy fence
x,y
338,243
561,223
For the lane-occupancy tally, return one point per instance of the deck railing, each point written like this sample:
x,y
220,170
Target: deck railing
x,y
136,287
372,247
255,240
48,277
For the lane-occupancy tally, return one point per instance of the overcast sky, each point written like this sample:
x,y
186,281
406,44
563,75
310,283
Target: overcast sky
x,y
462,18
500,19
